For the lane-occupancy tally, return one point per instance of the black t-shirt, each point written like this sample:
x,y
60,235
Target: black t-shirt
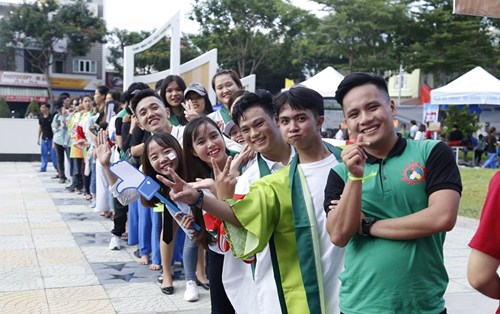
x,y
45,123
455,136
491,141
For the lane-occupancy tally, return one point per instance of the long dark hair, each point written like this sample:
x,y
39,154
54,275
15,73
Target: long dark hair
x,y
197,168
164,140
169,79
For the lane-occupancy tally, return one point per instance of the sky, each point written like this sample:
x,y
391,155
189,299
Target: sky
x,y
146,15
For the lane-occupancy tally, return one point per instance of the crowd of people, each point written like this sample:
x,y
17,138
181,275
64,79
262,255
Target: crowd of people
x,y
273,219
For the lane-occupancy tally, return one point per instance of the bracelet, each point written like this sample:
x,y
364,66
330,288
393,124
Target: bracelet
x,y
199,202
362,179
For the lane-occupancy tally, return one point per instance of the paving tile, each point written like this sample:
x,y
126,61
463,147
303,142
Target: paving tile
x,y
77,269
18,259
88,306
71,201
92,238
8,243
62,242
86,226
32,301
60,256
74,208
70,280
101,254
14,229
16,279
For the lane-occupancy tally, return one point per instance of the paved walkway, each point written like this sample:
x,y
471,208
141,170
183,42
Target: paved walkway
x,y
55,257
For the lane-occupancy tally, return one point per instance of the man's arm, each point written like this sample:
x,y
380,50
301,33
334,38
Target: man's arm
x,y
183,192
439,216
343,222
482,273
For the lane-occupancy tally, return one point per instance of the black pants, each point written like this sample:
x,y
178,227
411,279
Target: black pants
x,y
120,220
60,160
218,297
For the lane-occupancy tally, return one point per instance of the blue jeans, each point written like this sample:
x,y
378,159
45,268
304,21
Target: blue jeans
x,y
46,146
190,257
92,176
490,163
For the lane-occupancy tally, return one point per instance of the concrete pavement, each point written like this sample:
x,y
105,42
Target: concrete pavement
x,y
55,257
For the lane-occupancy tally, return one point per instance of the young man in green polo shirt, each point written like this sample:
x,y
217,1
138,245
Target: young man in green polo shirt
x,y
399,197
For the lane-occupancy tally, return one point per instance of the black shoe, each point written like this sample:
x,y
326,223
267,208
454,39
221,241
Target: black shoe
x,y
205,286
167,290
137,253
55,177
63,180
160,279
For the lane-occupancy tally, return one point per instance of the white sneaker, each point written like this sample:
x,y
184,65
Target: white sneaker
x,y
115,243
191,293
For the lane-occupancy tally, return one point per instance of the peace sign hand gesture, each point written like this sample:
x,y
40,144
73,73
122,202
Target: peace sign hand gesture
x,y
225,179
189,112
179,190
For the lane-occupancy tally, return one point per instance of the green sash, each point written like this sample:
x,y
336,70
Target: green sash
x,y
264,171
226,117
174,121
306,234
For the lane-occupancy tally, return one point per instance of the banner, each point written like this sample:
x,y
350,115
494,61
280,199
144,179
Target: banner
x,y
489,8
431,113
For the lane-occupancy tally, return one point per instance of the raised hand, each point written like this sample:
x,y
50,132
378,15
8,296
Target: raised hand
x,y
225,180
189,112
179,189
354,157
103,150
241,159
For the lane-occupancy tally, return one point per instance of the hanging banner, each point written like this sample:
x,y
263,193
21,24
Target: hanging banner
x,y
489,8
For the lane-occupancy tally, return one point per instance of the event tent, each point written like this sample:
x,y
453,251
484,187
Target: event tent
x,y
476,87
325,82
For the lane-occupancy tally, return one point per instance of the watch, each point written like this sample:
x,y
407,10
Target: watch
x,y
366,224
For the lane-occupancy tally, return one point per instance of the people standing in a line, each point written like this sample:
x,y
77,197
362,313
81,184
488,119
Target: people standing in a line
x,y
398,198
484,259
60,131
491,148
285,210
44,138
413,129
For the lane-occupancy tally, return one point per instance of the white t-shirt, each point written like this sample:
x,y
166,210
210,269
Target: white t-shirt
x,y
332,257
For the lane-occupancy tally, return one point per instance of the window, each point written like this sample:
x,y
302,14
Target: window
x,y
59,66
84,66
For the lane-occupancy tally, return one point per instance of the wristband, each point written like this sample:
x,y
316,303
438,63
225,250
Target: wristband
x,y
199,202
362,179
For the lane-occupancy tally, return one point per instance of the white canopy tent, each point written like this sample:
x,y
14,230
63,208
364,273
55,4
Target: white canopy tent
x,y
476,87
325,82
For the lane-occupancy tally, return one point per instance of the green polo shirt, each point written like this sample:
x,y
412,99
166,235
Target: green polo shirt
x,y
388,276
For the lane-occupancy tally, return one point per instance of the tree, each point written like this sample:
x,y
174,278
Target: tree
x,y
447,45
4,109
467,122
246,32
32,107
37,27
156,58
356,36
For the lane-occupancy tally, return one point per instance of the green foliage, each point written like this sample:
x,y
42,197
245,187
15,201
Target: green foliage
x,y
363,37
447,45
467,122
475,184
32,107
156,58
247,32
4,109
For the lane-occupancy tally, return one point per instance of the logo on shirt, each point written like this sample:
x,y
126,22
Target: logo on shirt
x,y
414,173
